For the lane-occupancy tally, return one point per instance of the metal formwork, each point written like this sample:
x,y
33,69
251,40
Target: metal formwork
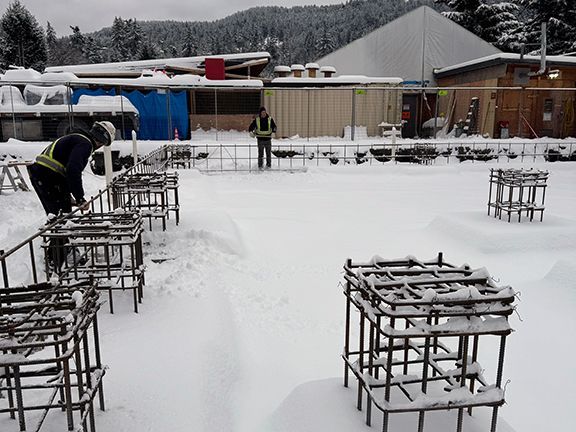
x,y
419,332
153,195
517,191
49,357
106,247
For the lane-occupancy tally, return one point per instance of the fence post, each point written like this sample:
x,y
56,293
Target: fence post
x,y
216,111
353,125
308,117
436,115
13,112
393,142
170,130
122,112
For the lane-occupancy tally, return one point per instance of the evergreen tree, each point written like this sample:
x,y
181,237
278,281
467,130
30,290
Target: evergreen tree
x,y
189,49
133,41
77,46
326,43
51,43
22,41
92,50
119,36
51,38
494,21
560,19
148,50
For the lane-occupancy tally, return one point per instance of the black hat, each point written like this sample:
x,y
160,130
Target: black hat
x,y
261,109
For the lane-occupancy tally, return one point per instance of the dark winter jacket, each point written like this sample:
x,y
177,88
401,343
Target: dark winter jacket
x,y
266,123
72,152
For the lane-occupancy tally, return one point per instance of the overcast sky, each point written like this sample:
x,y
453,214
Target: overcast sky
x,y
92,15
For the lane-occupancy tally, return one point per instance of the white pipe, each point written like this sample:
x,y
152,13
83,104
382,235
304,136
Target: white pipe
x,y
134,147
108,164
542,69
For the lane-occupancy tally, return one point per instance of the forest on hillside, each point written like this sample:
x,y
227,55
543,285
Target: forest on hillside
x,y
291,35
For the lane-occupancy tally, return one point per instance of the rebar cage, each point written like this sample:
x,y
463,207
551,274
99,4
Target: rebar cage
x,y
517,191
153,195
419,331
105,247
49,358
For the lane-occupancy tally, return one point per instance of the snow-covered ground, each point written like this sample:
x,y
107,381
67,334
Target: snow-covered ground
x,y
242,328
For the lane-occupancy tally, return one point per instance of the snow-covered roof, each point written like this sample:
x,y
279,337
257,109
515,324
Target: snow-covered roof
x,y
21,74
342,79
176,81
312,66
501,58
297,67
148,78
140,65
410,47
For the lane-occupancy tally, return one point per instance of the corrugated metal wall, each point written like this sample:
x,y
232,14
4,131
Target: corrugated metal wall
x,y
327,111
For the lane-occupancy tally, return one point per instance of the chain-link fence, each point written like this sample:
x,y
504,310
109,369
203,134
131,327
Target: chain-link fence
x,y
351,124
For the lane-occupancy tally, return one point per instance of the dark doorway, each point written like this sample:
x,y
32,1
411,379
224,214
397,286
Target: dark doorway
x,y
410,115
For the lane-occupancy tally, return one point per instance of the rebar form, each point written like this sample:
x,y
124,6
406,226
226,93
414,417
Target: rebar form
x,y
106,247
180,155
517,191
153,195
420,325
49,358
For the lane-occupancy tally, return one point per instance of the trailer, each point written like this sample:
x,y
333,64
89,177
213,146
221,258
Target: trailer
x,y
44,112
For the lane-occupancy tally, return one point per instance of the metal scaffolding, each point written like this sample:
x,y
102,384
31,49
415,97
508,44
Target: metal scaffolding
x,y
517,191
49,358
419,331
153,195
105,247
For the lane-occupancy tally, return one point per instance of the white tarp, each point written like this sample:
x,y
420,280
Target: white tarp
x,y
52,95
410,47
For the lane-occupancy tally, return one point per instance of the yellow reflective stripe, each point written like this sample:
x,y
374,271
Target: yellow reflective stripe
x,y
260,132
48,162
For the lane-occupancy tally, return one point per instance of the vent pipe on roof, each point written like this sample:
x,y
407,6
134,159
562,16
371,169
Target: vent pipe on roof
x,y
312,68
328,71
297,70
281,71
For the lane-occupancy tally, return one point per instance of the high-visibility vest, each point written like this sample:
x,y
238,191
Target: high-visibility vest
x,y
47,160
262,133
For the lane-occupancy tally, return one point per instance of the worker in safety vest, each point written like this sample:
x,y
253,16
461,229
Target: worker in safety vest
x,y
262,127
57,172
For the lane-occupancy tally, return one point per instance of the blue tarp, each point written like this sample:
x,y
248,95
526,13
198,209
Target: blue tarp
x,y
153,111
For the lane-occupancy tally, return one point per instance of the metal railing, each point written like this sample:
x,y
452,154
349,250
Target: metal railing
x,y
352,112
